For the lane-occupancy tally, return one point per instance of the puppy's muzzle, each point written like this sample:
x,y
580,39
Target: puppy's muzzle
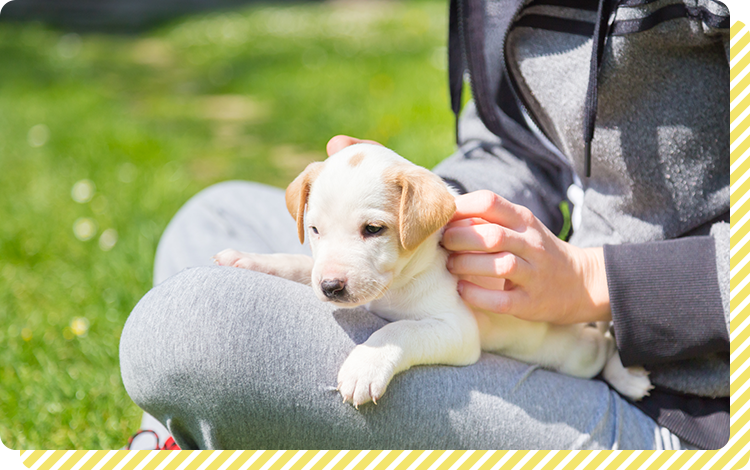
x,y
334,289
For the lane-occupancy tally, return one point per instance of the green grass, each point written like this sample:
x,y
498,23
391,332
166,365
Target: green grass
x,y
149,121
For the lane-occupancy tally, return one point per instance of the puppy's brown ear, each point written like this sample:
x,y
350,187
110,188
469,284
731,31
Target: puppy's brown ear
x,y
426,204
297,193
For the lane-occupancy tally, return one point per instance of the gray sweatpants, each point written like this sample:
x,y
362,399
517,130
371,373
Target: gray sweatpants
x,y
232,359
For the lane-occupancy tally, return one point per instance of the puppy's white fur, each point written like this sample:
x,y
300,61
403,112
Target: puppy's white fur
x,y
399,271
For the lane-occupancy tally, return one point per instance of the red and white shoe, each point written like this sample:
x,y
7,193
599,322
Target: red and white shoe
x,y
169,444
152,436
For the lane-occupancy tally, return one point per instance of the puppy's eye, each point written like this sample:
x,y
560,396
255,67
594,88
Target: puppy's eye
x,y
373,229
314,230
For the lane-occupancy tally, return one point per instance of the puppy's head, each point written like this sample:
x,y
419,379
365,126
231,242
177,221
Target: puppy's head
x,y
367,211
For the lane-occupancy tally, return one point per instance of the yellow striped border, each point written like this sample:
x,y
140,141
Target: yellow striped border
x,y
733,456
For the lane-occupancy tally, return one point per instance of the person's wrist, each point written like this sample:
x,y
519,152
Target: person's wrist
x,y
597,289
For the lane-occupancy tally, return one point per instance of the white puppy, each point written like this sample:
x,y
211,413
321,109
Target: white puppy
x,y
375,221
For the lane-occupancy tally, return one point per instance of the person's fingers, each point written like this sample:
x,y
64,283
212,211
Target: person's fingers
x,y
492,208
505,265
494,283
488,238
340,142
510,302
466,223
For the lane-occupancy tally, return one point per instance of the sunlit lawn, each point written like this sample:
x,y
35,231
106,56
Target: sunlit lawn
x,y
102,138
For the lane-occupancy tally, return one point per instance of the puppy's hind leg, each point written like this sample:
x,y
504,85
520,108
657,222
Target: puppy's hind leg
x,y
587,351
578,350
632,382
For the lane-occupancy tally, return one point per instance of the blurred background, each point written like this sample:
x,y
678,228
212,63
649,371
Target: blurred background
x,y
114,112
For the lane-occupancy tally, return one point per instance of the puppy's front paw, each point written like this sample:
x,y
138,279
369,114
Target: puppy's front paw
x,y
364,375
239,259
632,382
229,257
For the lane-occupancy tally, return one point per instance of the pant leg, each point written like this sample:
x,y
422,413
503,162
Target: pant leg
x,y
233,359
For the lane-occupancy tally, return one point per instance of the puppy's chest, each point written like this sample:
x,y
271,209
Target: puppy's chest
x,y
395,311
418,303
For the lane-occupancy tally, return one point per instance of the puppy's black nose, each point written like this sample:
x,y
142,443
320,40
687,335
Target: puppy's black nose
x,y
333,288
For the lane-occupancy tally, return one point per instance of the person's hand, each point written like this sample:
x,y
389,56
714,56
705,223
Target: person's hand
x,y
508,262
340,142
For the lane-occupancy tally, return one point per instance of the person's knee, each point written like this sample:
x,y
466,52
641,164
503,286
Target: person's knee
x,y
176,327
182,333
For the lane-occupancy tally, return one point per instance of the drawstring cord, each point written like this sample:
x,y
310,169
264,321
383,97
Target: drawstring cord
x,y
456,60
601,30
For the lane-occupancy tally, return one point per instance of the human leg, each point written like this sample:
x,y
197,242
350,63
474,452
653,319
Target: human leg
x,y
255,359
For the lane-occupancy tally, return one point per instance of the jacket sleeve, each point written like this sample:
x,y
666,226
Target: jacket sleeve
x,y
670,299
